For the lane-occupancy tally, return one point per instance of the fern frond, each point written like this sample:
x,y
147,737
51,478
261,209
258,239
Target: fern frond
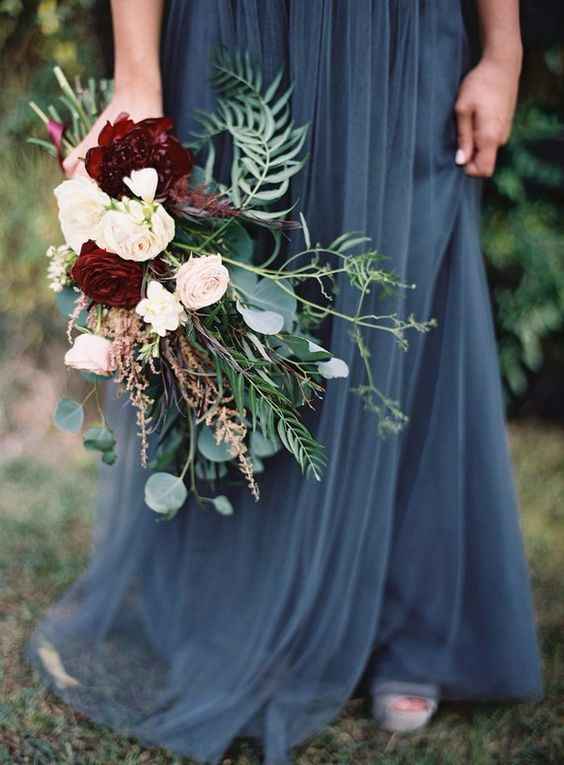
x,y
266,143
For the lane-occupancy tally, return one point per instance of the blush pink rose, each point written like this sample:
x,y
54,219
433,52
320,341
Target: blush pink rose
x,y
201,281
90,353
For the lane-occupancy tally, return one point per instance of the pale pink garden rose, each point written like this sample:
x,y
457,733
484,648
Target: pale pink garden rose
x,y
90,353
201,281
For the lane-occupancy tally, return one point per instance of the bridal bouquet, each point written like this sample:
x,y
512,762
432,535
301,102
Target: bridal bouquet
x,y
171,297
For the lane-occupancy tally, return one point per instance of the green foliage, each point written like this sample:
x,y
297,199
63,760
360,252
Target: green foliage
x,y
165,493
69,415
266,144
210,449
34,35
222,505
523,232
101,439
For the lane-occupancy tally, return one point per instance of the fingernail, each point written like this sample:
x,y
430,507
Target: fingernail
x,y
460,157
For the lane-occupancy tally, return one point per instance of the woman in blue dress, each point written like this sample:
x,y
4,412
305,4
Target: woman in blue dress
x,y
404,568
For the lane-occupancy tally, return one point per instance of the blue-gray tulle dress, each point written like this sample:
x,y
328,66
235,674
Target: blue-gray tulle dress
x,y
406,562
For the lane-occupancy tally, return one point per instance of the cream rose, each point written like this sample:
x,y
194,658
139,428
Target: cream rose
x,y
161,309
135,231
201,281
81,207
90,353
162,225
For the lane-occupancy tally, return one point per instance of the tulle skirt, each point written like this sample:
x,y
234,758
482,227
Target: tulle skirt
x,y
406,562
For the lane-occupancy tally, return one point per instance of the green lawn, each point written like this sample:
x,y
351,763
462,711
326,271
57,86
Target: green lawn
x,y
44,524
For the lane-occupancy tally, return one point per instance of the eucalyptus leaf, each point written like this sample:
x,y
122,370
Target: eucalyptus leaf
x,y
165,493
223,505
269,296
305,350
68,415
245,280
211,450
257,463
333,368
263,322
110,457
264,447
239,243
99,439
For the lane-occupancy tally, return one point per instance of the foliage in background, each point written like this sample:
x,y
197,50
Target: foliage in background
x,y
523,231
33,36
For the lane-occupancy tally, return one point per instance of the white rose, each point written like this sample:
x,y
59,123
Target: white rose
x,y
81,207
201,281
162,224
134,232
161,309
143,183
90,353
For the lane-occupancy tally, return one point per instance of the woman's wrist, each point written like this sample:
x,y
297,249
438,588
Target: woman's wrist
x,y
508,53
503,45
145,84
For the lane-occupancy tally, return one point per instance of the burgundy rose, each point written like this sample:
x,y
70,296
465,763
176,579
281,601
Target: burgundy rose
x,y
107,278
127,145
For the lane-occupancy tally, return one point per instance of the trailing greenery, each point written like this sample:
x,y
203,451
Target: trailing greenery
x,y
238,368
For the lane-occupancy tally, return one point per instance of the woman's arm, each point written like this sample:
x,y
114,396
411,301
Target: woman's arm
x,y
488,94
137,77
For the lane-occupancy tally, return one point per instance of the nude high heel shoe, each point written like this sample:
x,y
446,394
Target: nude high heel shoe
x,y
402,707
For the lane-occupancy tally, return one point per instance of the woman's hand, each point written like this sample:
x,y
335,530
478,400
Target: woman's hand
x,y
138,101
484,113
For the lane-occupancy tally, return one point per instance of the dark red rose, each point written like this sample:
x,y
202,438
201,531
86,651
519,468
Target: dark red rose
x,y
127,145
107,278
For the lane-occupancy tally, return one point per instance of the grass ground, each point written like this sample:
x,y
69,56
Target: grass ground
x,y
44,526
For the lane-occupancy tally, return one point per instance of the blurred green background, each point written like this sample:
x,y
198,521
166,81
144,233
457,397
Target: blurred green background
x,y
45,512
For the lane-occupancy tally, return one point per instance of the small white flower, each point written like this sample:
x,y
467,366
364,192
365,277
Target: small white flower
x,y
60,260
81,207
143,183
201,281
161,309
135,231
